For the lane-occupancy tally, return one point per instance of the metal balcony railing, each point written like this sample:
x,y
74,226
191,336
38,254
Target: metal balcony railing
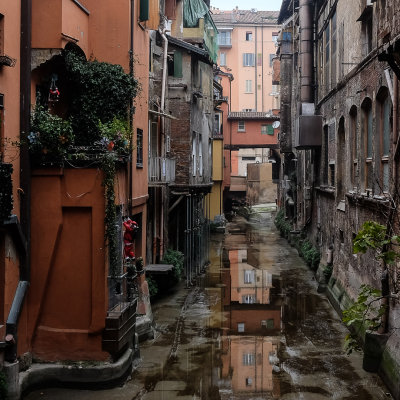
x,y
161,170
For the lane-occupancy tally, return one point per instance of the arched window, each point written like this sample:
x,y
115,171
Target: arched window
x,y
353,147
341,160
384,113
367,137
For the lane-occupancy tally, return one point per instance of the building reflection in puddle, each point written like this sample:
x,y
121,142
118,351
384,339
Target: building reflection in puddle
x,y
250,322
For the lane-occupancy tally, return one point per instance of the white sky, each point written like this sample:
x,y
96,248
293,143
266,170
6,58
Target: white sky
x,y
261,5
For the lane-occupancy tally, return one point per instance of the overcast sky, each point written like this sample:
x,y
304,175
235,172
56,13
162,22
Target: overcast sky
x,y
261,5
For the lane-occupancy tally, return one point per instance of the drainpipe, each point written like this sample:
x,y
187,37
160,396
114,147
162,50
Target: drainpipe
x,y
131,107
306,32
395,133
163,87
25,182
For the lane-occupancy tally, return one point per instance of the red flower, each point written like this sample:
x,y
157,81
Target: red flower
x,y
110,146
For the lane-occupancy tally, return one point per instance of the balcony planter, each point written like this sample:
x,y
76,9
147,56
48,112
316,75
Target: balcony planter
x,y
6,197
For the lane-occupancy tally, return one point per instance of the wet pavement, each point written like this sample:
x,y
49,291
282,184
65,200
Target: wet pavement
x,y
254,327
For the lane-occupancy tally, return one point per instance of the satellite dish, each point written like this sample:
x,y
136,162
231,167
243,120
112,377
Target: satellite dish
x,y
276,124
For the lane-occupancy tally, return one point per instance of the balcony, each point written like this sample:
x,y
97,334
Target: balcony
x,y
161,170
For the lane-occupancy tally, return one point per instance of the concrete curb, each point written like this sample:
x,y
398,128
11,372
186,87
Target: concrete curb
x,y
79,373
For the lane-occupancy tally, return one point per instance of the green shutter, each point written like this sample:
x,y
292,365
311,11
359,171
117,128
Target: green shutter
x,y
144,10
270,130
178,64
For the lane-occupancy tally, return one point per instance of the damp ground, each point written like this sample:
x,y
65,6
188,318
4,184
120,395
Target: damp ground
x,y
252,327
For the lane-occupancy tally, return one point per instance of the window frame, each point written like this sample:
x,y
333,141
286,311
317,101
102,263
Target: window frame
x,y
243,127
139,148
248,59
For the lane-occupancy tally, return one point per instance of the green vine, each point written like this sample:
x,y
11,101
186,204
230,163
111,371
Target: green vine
x,y
108,167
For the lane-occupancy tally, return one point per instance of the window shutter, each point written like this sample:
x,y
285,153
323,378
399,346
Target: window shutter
x,y
178,64
144,10
270,130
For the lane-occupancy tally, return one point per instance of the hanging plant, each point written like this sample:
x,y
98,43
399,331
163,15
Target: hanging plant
x,y
50,135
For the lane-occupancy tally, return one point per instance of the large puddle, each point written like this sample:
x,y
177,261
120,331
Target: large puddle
x,y
253,328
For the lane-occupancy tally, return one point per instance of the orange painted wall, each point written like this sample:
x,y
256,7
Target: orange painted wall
x,y
259,74
67,300
253,134
50,20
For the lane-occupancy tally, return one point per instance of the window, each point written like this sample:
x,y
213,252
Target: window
x,y
327,57
222,59
249,36
367,28
217,124
249,275
271,59
275,38
175,64
249,381
248,158
200,155
267,130
240,327
341,160
139,148
248,299
366,130
248,86
241,126
224,38
332,173
325,155
353,146
144,10
327,54
248,59
385,129
249,359
194,155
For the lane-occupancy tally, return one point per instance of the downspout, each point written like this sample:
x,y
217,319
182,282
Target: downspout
x,y
255,63
25,182
163,86
306,32
131,109
395,133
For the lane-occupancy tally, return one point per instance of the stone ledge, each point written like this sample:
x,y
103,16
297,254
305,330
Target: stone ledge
x,y
79,373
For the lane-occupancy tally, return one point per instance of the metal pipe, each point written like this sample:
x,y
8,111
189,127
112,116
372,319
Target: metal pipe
x,y
163,87
131,108
306,46
395,133
25,180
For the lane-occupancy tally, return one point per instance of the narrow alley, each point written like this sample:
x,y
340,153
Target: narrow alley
x,y
207,345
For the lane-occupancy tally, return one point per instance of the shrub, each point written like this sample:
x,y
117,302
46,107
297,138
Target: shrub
x,y
153,287
282,224
176,258
310,254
